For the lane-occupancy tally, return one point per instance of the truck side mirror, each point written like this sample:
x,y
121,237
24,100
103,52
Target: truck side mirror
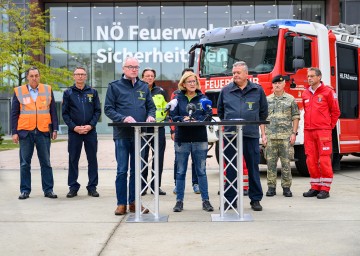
x,y
298,64
192,54
298,53
191,59
298,47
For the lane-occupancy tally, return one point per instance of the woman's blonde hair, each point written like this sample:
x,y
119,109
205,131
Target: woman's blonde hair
x,y
186,76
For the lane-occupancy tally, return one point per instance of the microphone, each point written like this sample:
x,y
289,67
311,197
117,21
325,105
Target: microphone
x,y
206,104
171,105
191,108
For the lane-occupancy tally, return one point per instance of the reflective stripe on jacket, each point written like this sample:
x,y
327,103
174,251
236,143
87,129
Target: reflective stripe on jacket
x,y
159,97
34,114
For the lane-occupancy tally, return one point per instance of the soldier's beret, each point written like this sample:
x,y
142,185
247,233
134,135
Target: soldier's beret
x,y
278,78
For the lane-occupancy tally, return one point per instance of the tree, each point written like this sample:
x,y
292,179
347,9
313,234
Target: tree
x,y
22,45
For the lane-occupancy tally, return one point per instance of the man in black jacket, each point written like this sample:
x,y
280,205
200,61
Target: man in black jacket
x,y
128,100
81,111
246,100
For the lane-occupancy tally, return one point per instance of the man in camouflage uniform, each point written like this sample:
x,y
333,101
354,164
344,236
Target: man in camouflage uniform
x,y
280,135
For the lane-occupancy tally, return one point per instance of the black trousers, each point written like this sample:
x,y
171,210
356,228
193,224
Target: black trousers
x,y
74,148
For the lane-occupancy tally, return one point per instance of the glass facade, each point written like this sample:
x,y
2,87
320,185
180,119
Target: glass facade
x,y
100,35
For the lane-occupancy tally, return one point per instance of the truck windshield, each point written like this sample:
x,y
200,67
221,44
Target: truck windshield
x,y
259,54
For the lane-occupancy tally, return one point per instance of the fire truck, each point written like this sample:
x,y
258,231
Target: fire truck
x,y
288,47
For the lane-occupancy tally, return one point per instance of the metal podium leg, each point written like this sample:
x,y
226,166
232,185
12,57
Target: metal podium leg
x,y
239,213
156,166
153,215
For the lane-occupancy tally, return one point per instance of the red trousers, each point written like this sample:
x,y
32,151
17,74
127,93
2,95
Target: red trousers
x,y
318,150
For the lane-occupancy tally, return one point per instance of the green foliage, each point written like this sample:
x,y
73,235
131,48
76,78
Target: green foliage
x,y
23,42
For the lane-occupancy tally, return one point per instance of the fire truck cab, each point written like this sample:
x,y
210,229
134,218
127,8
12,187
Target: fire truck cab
x,y
288,47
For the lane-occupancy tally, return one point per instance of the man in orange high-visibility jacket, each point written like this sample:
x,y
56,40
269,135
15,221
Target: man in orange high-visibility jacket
x,y
321,112
34,121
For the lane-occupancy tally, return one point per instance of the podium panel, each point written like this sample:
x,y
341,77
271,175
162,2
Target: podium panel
x,y
232,139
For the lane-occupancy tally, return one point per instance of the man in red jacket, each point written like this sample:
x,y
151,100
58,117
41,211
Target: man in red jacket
x,y
321,114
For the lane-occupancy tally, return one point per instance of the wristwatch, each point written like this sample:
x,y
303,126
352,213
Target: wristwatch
x,y
295,133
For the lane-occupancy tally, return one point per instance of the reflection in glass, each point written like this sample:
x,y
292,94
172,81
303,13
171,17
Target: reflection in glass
x,y
58,57
265,11
149,16
172,17
151,60
79,21
313,11
57,24
219,14
243,11
289,10
258,53
102,15
81,56
126,14
196,15
172,65
102,70
123,49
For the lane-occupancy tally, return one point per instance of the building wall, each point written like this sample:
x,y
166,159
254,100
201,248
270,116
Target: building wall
x,y
101,34
158,33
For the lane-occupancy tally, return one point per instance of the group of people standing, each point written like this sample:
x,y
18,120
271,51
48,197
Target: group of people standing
x,y
131,99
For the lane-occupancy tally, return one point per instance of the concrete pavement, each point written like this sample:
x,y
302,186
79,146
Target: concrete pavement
x,y
88,226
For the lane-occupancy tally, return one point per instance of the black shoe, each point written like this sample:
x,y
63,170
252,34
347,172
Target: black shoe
x,y
144,193
24,195
271,192
207,206
93,193
246,192
178,206
323,194
311,193
287,192
256,206
50,195
162,192
71,193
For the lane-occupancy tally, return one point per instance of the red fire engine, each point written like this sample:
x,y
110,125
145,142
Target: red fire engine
x,y
288,47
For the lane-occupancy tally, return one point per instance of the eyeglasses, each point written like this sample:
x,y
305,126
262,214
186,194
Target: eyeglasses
x,y
79,74
191,82
132,67
34,76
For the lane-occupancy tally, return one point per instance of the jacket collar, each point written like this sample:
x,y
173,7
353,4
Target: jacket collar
x,y
249,86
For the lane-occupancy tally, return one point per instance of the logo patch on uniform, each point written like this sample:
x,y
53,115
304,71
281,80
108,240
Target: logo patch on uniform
x,y
141,95
90,97
250,105
326,148
335,96
306,101
320,98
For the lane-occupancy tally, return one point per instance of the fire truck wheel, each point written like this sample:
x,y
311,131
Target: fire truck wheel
x,y
300,160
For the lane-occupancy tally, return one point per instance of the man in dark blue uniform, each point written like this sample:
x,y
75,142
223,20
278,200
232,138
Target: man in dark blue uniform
x,y
128,100
81,111
244,99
